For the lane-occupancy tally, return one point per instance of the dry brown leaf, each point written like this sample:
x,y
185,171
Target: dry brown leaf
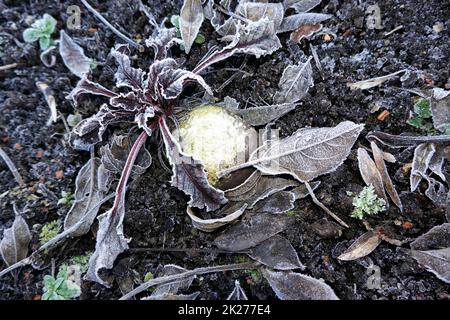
x,y
210,225
388,185
305,31
370,174
373,82
362,246
296,286
191,19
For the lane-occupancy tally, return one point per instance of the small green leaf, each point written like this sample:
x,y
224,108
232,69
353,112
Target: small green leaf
x,y
415,122
44,42
446,128
175,21
31,35
93,65
148,276
70,290
49,281
74,119
48,24
200,39
422,108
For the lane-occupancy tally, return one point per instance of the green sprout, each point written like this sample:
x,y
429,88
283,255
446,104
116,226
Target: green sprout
x,y
41,30
366,203
61,288
74,119
49,231
175,20
66,199
292,213
423,118
82,261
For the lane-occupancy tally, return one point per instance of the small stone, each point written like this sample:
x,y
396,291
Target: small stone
x,y
407,225
59,174
438,27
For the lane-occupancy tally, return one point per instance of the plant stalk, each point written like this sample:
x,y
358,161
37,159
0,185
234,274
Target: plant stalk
x,y
188,274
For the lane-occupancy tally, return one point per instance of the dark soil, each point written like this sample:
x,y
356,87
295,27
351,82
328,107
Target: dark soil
x,y
155,216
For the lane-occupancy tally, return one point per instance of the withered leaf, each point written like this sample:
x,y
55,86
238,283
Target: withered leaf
x,y
73,56
288,285
115,155
301,5
50,99
277,253
277,203
255,11
189,175
387,182
435,261
373,82
258,187
432,250
237,293
305,31
261,115
362,246
437,237
15,241
370,174
293,22
269,185
210,225
422,157
249,233
110,242
91,185
174,287
437,192
246,189
256,38
191,19
294,83
437,160
440,108
306,154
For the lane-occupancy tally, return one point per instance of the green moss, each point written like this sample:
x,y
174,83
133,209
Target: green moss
x,y
49,231
66,199
292,213
366,203
82,261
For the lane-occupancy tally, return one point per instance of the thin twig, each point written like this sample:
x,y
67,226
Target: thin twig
x,y
188,274
110,26
11,167
394,30
186,250
320,204
8,66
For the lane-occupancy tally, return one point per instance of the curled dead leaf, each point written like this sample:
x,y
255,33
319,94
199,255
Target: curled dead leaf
x,y
362,246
